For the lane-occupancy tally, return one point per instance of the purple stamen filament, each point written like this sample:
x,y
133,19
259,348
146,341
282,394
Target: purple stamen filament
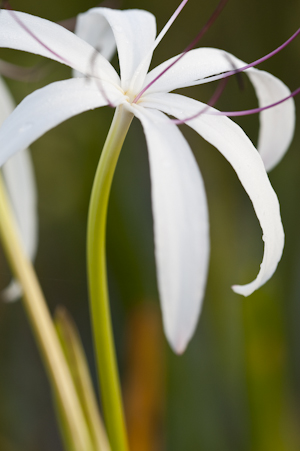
x,y
223,77
221,87
170,22
236,71
16,72
22,25
33,35
215,97
256,110
178,11
256,62
208,24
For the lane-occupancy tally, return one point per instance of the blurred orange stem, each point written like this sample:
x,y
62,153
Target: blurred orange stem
x,y
144,388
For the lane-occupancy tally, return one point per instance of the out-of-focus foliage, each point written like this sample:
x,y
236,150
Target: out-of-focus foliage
x,y
237,385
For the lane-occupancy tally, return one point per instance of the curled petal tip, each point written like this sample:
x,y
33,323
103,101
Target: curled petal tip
x,y
239,289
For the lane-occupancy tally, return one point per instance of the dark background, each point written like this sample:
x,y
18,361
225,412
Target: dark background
x,y
237,385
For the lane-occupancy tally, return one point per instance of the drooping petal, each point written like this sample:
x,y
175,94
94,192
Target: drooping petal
x,y
276,124
236,147
20,183
48,107
181,230
134,32
21,189
63,46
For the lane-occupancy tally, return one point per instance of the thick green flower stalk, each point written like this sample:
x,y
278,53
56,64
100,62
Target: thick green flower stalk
x,y
103,337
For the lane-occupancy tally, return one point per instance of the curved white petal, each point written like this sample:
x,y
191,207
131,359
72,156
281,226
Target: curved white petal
x,y
181,230
94,29
276,124
236,147
134,32
65,47
193,67
48,107
20,184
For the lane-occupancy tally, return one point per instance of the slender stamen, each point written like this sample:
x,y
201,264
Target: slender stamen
x,y
148,55
208,24
33,35
20,73
237,71
214,98
169,23
256,110
255,63
217,95
212,101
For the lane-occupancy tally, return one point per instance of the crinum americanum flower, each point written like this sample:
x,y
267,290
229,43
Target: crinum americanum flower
x,y
181,226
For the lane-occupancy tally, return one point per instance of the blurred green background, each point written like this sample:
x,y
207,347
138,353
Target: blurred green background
x,y
237,387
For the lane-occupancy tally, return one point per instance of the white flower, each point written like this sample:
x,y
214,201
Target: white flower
x,y
21,189
181,226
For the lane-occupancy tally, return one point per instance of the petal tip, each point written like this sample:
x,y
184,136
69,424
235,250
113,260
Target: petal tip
x,y
242,289
178,344
11,293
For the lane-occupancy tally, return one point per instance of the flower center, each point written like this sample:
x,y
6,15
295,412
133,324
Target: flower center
x,y
130,96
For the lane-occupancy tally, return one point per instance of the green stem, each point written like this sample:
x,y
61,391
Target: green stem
x,y
43,328
73,350
103,335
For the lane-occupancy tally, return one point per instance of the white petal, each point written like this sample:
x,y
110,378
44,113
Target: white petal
x,y
236,147
20,184
66,47
48,107
134,31
194,66
181,230
276,124
94,29
19,178
12,292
